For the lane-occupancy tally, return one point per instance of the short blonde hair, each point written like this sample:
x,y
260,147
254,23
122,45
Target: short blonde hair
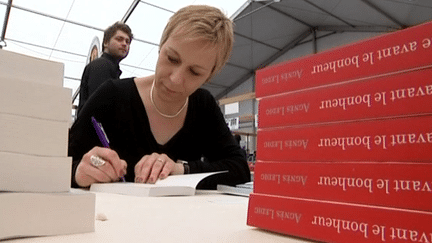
x,y
209,23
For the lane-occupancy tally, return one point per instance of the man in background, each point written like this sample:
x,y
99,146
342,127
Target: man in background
x,y
115,47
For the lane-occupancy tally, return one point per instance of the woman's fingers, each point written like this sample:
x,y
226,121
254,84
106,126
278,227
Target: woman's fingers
x,y
100,165
152,167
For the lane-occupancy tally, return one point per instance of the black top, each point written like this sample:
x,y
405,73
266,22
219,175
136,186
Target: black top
x,y
119,108
95,73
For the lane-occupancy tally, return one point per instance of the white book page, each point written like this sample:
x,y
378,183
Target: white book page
x,y
190,180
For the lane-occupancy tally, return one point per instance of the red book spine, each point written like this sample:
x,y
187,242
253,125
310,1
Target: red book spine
x,y
401,50
399,140
337,222
395,95
390,184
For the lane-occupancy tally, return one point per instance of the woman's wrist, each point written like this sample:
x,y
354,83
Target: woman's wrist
x,y
185,166
178,169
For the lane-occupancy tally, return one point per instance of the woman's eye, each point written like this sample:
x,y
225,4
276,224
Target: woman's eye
x,y
194,73
173,60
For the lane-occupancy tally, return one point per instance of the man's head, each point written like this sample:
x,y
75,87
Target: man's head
x,y
117,39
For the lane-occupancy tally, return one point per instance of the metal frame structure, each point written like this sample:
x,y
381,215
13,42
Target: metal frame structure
x,y
265,31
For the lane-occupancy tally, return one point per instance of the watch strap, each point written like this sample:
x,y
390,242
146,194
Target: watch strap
x,y
185,166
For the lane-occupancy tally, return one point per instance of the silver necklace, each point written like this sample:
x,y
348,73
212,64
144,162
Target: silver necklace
x,y
158,111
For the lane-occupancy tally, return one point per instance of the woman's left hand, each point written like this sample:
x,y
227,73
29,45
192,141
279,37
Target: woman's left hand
x,y
156,166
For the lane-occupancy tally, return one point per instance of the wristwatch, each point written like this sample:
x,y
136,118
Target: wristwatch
x,y
185,166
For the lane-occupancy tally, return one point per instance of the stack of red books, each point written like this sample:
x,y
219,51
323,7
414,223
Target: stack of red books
x,y
344,146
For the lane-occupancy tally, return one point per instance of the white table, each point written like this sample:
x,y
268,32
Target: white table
x,y
209,216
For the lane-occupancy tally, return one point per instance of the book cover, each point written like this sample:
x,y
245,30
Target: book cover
x,y
22,67
399,140
31,173
44,214
327,221
406,94
33,136
393,52
35,100
173,185
389,184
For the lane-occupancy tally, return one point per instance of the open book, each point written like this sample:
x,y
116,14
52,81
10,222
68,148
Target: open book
x,y
174,185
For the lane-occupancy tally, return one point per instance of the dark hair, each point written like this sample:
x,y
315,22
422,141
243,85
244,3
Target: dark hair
x,y
112,30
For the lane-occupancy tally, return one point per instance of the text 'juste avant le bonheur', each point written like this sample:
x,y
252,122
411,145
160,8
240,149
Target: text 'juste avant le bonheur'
x,y
345,143
369,230
350,183
348,226
382,97
333,66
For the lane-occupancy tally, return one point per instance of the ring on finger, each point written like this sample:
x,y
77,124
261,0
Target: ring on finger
x,y
160,160
97,161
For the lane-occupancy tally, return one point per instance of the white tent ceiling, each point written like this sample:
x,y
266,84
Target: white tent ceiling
x,y
62,30
267,30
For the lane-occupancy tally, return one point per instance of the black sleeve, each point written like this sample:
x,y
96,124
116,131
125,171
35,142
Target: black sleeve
x,y
94,75
221,151
82,136
83,92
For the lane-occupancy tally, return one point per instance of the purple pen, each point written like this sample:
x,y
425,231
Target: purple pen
x,y
102,136
100,132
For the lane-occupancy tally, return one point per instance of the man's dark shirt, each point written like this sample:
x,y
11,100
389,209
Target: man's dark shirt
x,y
95,73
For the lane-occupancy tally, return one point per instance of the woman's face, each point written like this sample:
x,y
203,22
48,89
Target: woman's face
x,y
184,64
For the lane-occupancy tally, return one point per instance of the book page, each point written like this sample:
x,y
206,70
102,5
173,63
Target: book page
x,y
172,185
191,180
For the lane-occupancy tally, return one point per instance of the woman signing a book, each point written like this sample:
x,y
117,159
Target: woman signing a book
x,y
145,129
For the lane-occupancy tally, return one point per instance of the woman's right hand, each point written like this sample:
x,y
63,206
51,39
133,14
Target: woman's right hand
x,y
112,170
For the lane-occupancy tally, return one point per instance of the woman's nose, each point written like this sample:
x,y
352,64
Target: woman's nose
x,y
177,76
